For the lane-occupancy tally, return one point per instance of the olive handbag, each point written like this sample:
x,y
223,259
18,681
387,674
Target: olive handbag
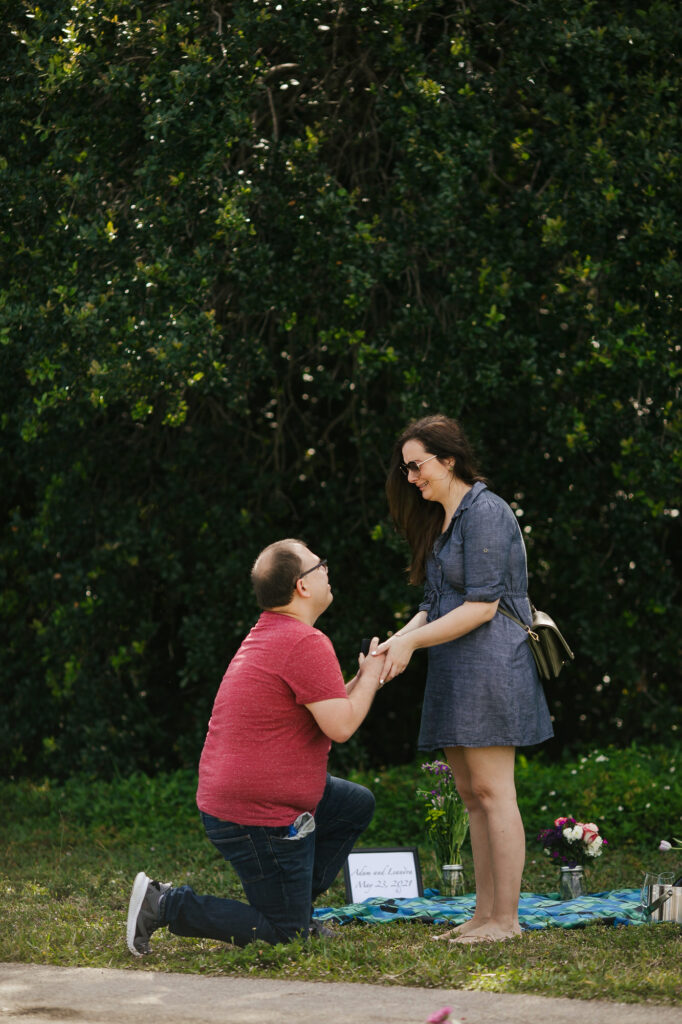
x,y
549,648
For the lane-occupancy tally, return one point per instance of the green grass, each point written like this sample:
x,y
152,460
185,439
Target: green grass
x,y
65,884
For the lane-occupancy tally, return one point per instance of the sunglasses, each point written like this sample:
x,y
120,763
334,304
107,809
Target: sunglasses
x,y
414,467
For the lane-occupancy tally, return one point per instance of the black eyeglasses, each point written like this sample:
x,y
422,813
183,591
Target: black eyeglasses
x,y
320,565
414,467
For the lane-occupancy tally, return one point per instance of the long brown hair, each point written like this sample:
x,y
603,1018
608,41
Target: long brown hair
x,y
421,521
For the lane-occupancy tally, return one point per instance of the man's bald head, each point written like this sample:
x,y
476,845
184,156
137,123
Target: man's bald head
x,y
275,572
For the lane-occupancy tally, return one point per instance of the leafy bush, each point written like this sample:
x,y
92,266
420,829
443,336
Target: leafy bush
x,y
125,807
633,794
241,244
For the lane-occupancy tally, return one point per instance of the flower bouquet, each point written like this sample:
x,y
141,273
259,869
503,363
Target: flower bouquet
x,y
447,819
572,843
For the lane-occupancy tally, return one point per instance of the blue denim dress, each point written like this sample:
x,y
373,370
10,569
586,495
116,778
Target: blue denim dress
x,y
482,689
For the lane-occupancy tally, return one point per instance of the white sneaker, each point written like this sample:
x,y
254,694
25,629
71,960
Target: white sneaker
x,y
143,912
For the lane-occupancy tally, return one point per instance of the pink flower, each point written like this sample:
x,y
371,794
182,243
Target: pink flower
x,y
560,821
590,832
664,846
439,1016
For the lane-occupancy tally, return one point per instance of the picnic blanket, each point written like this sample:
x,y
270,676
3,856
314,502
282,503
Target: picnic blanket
x,y
619,907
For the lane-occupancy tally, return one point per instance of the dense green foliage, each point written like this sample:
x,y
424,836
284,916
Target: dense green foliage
x,y
242,243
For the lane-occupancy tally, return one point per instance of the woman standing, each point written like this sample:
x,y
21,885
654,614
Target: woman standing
x,y
483,697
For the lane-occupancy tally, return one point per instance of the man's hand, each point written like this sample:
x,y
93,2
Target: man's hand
x,y
371,667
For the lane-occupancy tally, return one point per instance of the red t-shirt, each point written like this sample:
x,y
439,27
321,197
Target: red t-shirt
x,y
264,760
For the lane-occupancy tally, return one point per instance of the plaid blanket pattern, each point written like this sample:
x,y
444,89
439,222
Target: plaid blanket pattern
x,y
619,907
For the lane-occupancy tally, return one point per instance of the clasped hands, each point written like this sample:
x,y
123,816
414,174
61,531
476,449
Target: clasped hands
x,y
395,654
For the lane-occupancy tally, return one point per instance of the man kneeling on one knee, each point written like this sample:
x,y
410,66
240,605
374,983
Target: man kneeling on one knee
x,y
265,798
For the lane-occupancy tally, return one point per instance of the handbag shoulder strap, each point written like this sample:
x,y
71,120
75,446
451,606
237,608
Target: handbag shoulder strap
x,y
523,625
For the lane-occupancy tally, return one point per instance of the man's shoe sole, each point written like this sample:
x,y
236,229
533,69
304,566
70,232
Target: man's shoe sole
x,y
136,900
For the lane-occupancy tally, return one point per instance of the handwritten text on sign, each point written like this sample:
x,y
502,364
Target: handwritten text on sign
x,y
386,874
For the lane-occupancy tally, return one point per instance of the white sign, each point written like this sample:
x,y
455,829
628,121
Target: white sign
x,y
388,873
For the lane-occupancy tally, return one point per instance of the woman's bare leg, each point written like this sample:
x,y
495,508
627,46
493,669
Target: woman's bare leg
x,y
478,834
485,780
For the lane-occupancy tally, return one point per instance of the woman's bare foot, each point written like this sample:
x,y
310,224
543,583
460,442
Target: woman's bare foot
x,y
447,936
489,932
459,929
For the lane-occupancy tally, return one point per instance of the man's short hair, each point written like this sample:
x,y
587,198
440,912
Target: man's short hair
x,y
275,572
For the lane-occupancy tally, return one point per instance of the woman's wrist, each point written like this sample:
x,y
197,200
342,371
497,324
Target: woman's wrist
x,y
414,637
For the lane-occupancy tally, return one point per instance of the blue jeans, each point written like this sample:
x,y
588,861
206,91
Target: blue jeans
x,y
281,876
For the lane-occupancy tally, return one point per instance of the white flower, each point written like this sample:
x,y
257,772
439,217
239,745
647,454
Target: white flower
x,y
593,849
573,833
664,846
